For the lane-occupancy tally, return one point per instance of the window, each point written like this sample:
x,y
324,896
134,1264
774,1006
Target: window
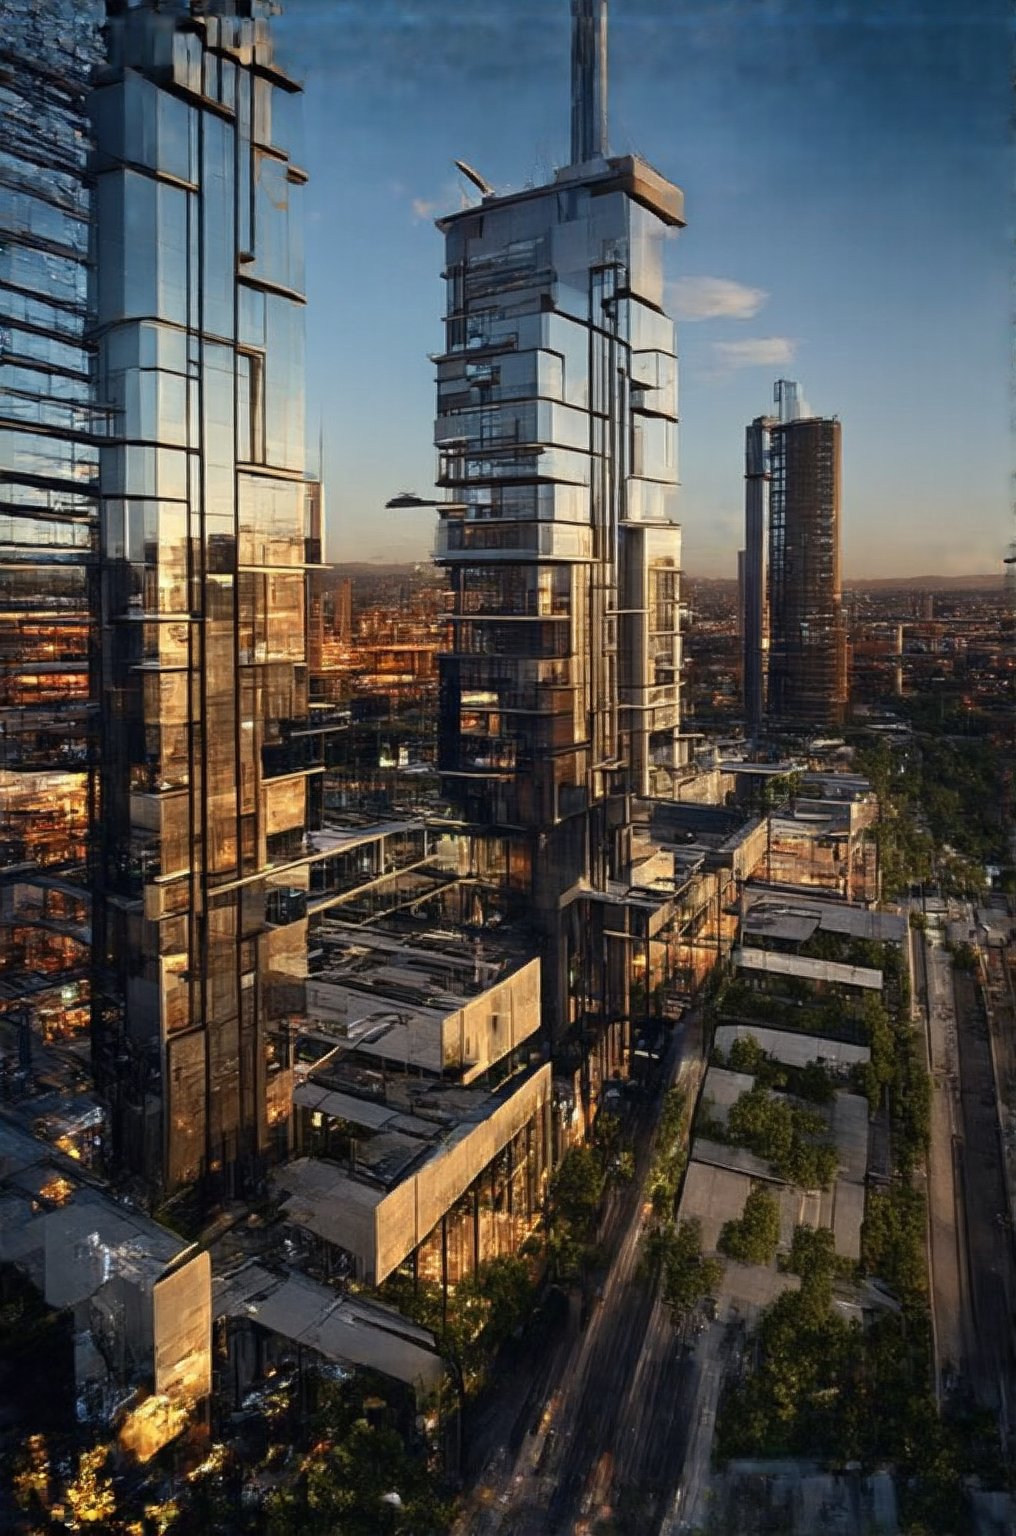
x,y
250,369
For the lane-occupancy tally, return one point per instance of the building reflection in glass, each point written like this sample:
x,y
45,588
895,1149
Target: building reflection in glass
x,y
198,324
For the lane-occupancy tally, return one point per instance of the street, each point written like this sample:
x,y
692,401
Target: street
x,y
933,988
610,1432
971,1249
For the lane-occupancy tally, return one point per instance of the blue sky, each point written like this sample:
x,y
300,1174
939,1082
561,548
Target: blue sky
x,y
844,164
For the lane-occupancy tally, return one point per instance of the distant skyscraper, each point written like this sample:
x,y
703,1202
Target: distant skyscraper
x,y
755,617
792,597
557,421
200,900
344,610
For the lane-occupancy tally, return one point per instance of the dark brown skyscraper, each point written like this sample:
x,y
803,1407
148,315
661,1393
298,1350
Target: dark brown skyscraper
x,y
807,645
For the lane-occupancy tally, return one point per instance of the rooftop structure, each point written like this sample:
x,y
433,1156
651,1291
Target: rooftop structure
x,y
427,1000
796,920
793,1048
139,1295
349,1331
415,1189
720,1175
422,1104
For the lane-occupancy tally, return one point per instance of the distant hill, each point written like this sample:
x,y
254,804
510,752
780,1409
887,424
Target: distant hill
x,y
876,583
926,583
986,583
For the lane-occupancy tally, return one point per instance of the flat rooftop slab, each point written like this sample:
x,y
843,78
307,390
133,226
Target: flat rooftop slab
x,y
767,911
714,1194
804,967
792,1048
345,1329
723,1088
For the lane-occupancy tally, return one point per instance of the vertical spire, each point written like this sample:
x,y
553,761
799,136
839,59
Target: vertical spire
x,y
589,80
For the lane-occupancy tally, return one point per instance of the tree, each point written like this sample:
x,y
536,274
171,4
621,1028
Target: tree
x,y
815,1082
576,1187
506,1287
783,1134
746,1055
893,1240
607,1131
364,1484
687,1276
90,1494
762,1123
813,1257
670,1154
754,1238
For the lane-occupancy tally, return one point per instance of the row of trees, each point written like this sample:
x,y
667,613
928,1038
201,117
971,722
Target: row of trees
x,y
675,1253
334,1462
821,1386
671,1154
940,811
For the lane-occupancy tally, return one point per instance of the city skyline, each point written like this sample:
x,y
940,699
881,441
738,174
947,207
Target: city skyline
x,y
497,1043
846,222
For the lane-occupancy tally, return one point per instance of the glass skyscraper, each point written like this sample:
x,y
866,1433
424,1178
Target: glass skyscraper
x,y
557,426
807,656
49,447
201,876
795,642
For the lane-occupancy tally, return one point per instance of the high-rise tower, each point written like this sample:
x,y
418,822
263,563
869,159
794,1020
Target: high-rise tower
x,y
795,666
200,899
557,423
49,455
755,615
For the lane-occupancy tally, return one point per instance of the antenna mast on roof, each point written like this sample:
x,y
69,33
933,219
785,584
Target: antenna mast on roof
x,y
589,81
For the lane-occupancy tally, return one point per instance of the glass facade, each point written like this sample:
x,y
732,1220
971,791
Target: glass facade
x,y
807,649
49,445
205,536
556,432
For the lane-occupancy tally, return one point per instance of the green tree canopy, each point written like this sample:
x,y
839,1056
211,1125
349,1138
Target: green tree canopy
x,y
754,1238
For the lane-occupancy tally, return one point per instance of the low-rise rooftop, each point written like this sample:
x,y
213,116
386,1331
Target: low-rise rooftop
x,y
348,1330
404,1179
807,968
792,1048
796,919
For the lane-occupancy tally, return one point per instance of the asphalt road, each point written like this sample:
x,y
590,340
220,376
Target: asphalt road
x,y
990,1371
949,1294
609,1428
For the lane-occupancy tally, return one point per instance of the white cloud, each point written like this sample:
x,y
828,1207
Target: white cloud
x,y
755,352
422,209
714,298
